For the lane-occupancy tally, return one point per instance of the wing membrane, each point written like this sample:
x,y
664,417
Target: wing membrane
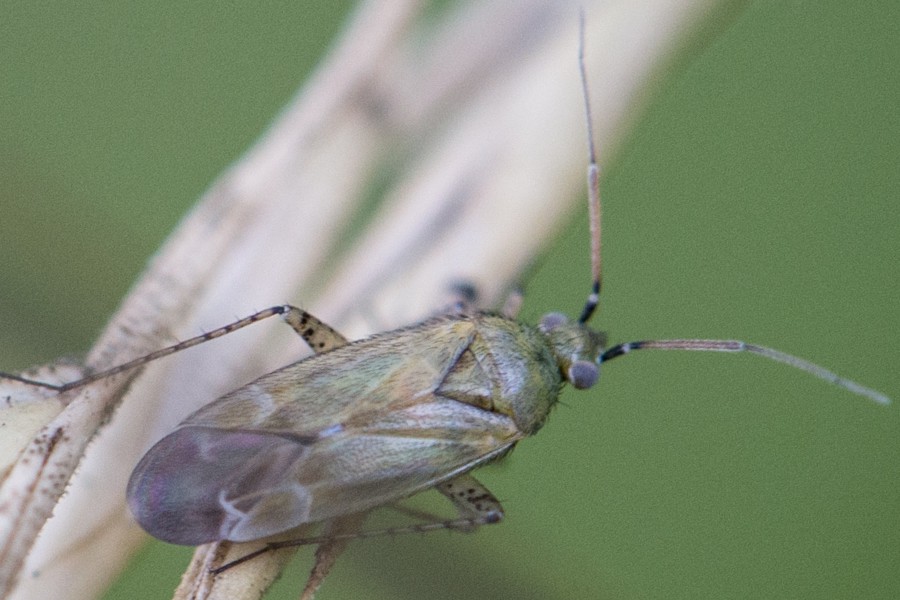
x,y
343,432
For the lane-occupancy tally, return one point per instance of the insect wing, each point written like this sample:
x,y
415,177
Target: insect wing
x,y
338,433
200,483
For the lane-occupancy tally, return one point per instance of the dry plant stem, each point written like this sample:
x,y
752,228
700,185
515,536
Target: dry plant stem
x,y
487,194
248,581
167,297
372,36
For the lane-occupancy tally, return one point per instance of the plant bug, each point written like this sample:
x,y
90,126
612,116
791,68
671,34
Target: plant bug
x,y
431,402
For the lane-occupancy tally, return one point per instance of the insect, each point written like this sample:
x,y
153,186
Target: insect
x,y
412,409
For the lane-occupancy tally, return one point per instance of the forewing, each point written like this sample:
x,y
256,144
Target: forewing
x,y
339,433
362,378
383,460
201,484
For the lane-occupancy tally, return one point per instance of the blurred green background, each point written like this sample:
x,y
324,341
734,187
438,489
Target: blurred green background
x,y
756,198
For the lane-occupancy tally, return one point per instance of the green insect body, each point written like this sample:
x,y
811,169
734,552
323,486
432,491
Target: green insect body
x,y
360,426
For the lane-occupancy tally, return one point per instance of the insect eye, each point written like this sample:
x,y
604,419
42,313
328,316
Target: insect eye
x,y
551,321
583,374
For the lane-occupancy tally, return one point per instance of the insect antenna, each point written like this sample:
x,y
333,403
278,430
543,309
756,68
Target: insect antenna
x,y
593,181
593,300
739,346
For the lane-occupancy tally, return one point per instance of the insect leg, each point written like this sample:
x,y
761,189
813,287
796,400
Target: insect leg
x,y
148,358
513,303
318,335
463,298
476,504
